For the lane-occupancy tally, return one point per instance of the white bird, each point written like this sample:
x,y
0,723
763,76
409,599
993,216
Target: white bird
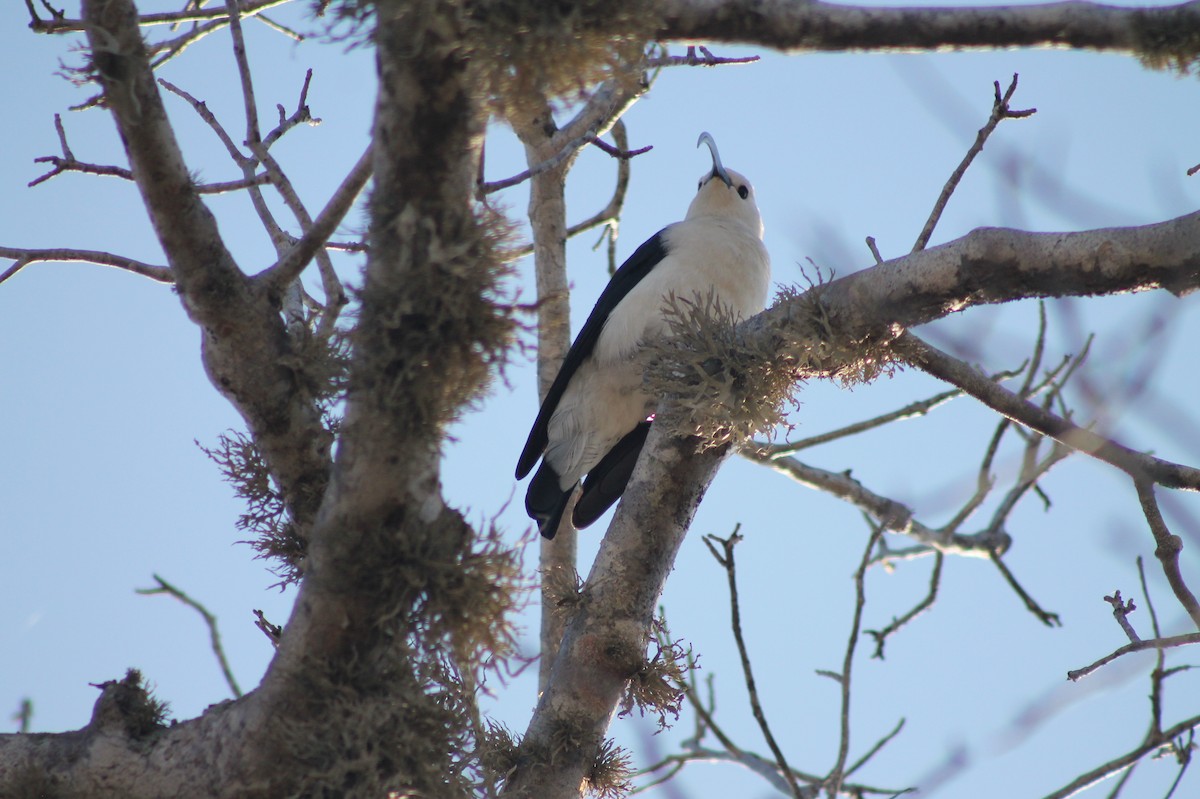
x,y
595,418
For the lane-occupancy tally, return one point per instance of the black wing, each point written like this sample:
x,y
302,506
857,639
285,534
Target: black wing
x,y
636,267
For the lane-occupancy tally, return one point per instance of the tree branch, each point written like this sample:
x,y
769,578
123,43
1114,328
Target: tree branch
x,y
1000,399
1124,761
214,634
245,347
606,640
1169,547
725,558
1000,112
23,258
819,26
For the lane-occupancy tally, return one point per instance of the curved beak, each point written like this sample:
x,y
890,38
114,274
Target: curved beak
x,y
718,170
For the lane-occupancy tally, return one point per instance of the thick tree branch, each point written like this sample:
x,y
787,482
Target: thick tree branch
x,y
606,640
246,351
548,222
791,26
550,151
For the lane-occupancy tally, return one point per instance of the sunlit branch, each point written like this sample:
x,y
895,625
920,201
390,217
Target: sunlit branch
x,y
23,258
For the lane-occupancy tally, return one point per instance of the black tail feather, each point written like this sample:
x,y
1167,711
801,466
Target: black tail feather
x,y
545,501
607,480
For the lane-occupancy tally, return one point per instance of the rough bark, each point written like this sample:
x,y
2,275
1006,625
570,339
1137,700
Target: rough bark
x,y
605,642
1158,34
245,347
987,266
344,681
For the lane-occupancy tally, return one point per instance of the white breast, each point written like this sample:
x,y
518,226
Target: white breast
x,y
706,254
605,399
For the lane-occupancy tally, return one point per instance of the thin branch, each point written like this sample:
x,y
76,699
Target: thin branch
x,y
1121,610
23,258
273,631
249,104
1046,617
610,214
61,24
910,411
302,114
1168,549
202,110
1000,111
568,150
620,153
278,27
292,263
260,179
874,750
1140,646
837,773
1158,676
213,633
935,581
705,59
727,562
894,516
1124,761
1136,464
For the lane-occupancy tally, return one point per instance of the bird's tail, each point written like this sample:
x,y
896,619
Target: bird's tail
x,y
545,500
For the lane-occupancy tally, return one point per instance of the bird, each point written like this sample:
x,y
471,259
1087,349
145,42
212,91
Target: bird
x,y
594,420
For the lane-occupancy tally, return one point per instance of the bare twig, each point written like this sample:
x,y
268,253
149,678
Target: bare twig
x,y
935,581
705,59
620,153
23,258
1121,610
610,214
292,263
201,109
213,633
1140,646
1168,549
272,631
1044,616
874,249
24,715
60,23
837,773
1124,761
910,411
725,558
939,364
1000,111
893,515
569,150
874,750
302,114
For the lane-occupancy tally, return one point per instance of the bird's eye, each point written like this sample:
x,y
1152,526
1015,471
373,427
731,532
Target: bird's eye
x,y
743,191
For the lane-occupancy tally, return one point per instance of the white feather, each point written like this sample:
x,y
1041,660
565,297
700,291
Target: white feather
x,y
718,247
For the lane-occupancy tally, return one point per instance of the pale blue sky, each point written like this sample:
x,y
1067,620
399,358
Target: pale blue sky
x,y
102,392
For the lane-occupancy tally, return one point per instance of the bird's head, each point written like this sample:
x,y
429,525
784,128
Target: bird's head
x,y
725,193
